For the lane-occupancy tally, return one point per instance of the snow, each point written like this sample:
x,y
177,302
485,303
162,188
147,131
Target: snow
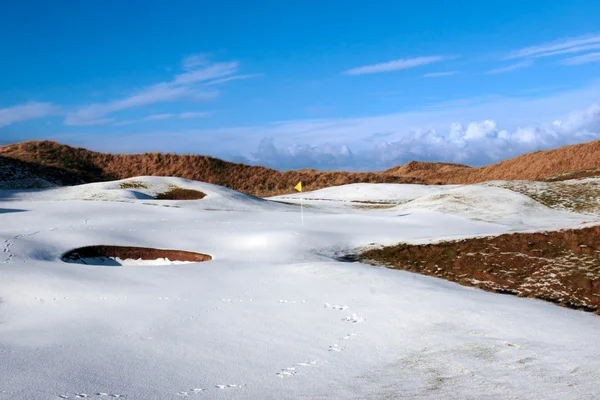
x,y
370,192
273,315
494,204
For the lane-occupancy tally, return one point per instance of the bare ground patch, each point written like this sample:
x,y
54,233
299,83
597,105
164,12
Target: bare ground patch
x,y
131,253
562,267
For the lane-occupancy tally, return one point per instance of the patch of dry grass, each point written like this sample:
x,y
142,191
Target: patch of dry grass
x,y
133,185
562,267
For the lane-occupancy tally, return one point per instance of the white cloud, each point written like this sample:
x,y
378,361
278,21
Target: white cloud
x,y
160,117
157,117
440,74
394,65
195,60
232,78
217,70
576,49
199,114
26,112
94,114
566,45
583,59
183,86
512,67
476,143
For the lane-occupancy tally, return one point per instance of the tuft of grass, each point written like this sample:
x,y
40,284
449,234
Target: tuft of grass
x,y
133,185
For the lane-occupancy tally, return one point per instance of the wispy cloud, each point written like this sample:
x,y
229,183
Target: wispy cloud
x,y
562,46
195,60
584,59
232,78
199,114
184,85
440,74
95,114
217,70
26,112
162,117
394,65
512,67
158,117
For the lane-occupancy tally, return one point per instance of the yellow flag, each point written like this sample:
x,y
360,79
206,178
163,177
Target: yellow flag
x,y
298,187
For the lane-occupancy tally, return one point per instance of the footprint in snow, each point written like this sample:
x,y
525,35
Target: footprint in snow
x,y
335,306
334,347
348,336
287,372
231,386
354,318
291,371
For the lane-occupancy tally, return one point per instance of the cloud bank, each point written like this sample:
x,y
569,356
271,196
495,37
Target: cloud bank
x,y
476,143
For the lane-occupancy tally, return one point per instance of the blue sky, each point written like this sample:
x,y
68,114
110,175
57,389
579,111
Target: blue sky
x,y
303,84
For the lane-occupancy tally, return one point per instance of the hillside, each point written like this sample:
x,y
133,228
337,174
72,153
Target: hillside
x,y
16,174
89,166
567,162
93,166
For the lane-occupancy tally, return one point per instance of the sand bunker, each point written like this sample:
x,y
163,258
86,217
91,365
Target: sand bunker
x,y
181,194
128,256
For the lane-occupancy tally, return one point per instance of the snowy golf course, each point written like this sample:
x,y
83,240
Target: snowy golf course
x,y
274,314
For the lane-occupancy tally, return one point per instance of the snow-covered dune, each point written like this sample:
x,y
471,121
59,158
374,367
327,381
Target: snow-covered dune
x,y
273,315
497,205
144,188
370,192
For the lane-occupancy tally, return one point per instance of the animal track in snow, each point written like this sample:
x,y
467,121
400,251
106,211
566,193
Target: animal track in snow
x,y
354,318
187,393
291,371
334,347
87,396
335,306
348,336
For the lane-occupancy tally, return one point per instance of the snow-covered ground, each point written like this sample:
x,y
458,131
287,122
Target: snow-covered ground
x,y
274,315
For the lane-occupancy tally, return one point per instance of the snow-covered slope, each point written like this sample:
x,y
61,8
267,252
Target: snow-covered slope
x,y
370,192
494,204
144,188
272,316
487,203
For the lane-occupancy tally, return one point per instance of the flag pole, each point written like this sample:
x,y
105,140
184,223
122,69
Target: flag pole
x,y
298,187
302,211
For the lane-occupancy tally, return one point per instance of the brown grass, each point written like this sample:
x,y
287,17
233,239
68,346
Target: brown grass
x,y
92,166
562,267
17,171
133,185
